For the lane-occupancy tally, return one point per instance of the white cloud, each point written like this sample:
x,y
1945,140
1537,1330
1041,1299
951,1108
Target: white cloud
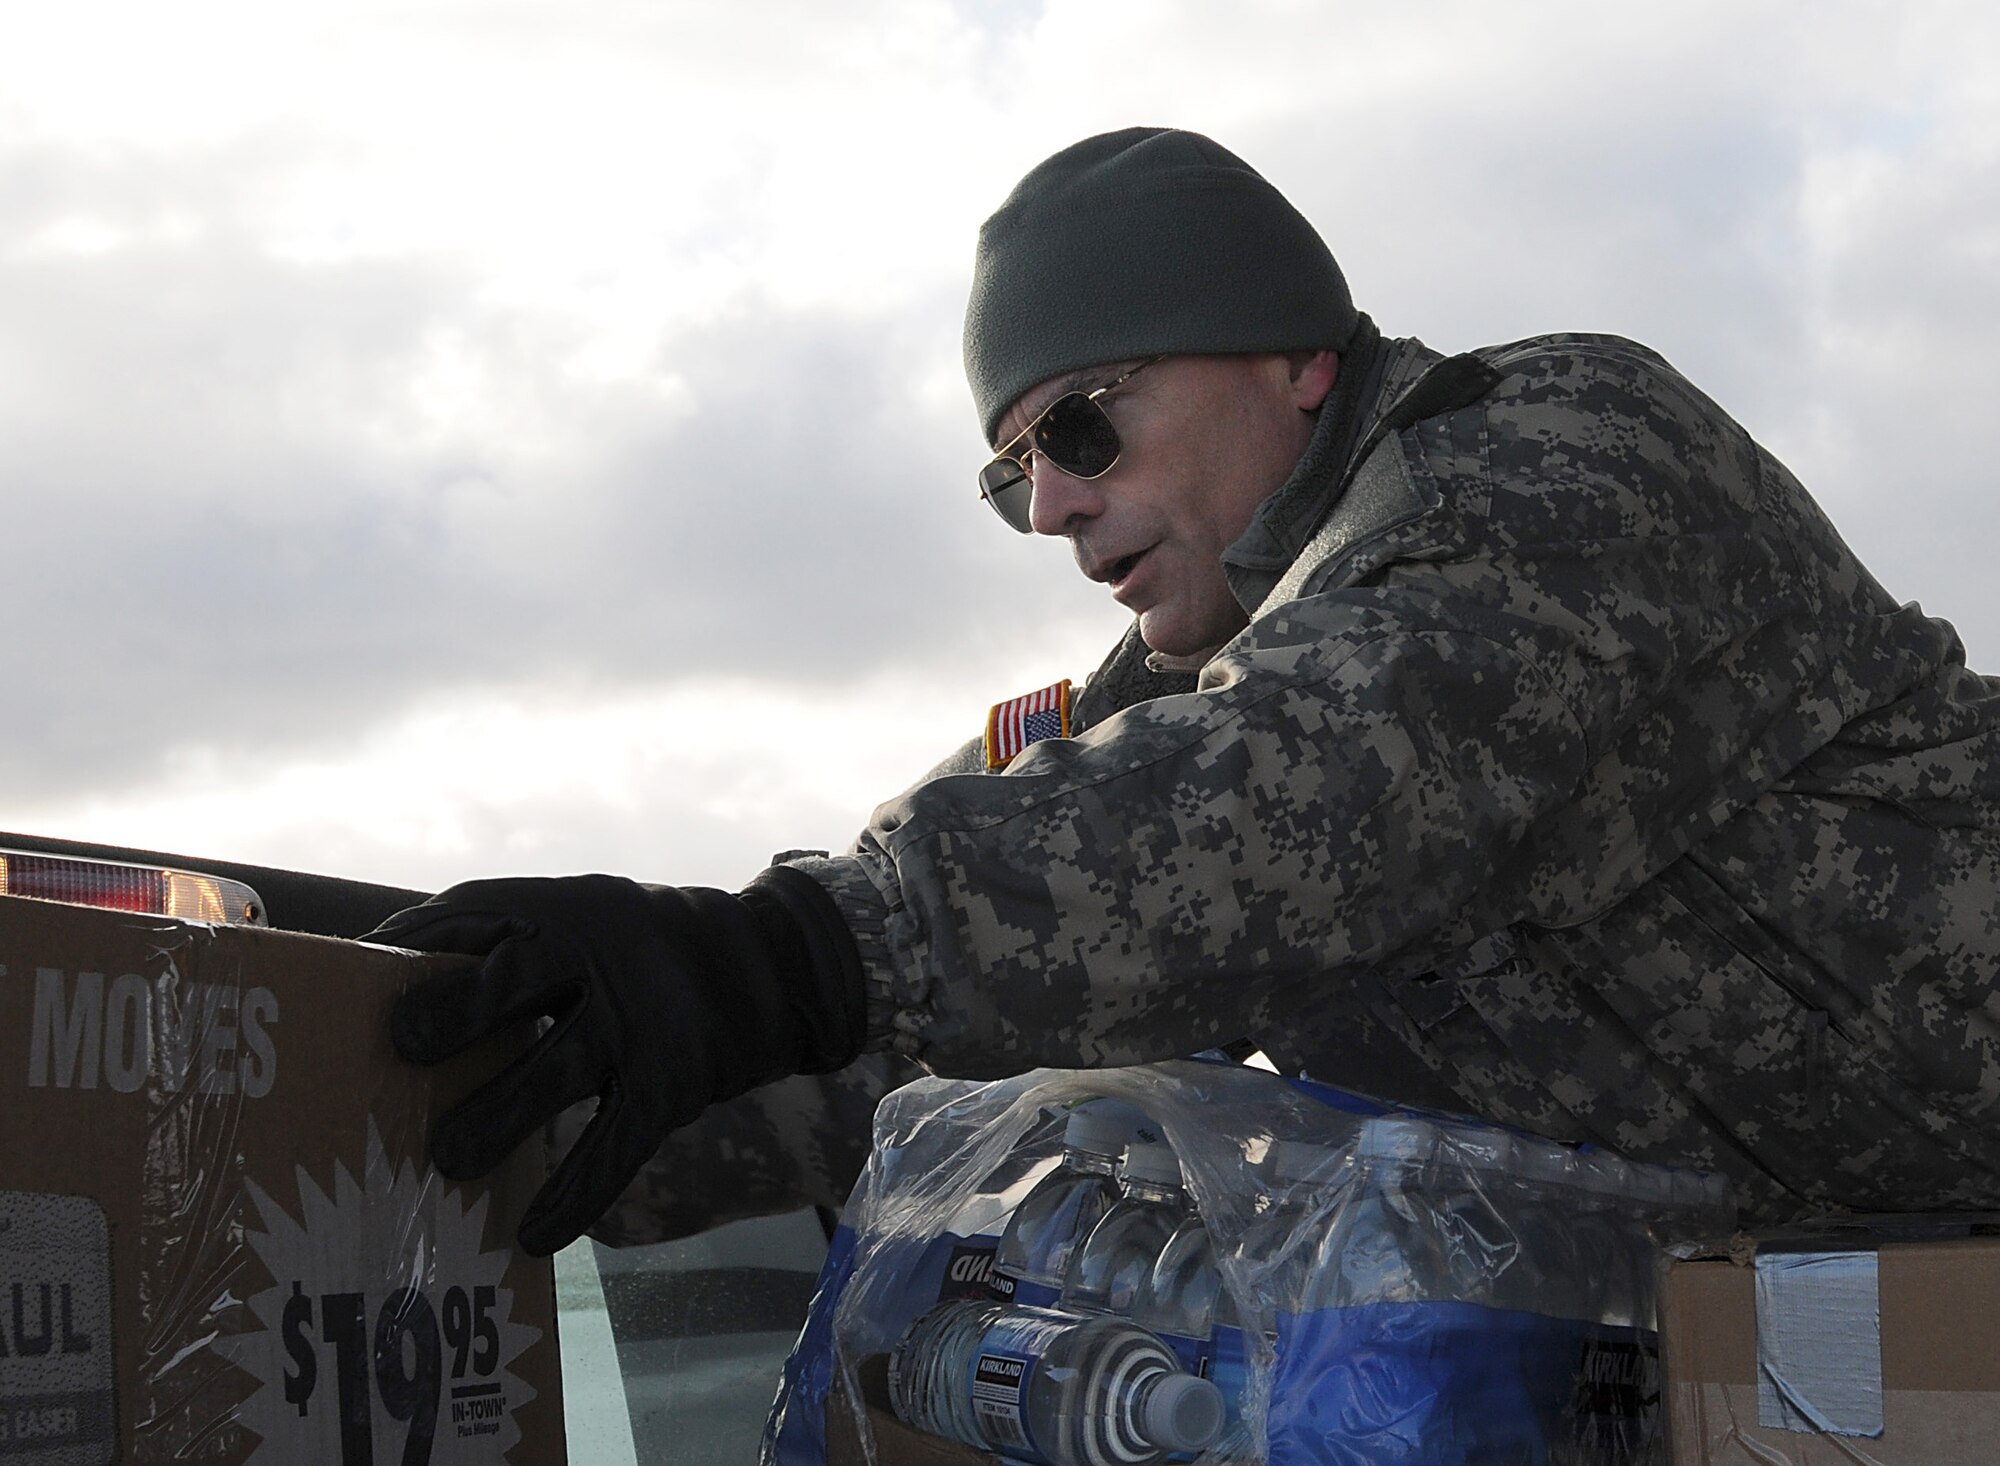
x,y
699,782
564,365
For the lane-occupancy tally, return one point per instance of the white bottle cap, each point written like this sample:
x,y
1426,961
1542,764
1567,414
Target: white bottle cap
x,y
1103,1126
1395,1138
1183,1412
1152,1160
1300,1160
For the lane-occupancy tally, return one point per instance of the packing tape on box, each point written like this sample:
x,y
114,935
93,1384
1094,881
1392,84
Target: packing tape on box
x,y
1819,1343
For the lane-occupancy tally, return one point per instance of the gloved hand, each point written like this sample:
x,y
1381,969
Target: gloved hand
x,y
664,1000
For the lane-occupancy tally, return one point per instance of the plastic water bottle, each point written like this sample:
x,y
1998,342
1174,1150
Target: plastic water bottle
x,y
1044,1386
1375,1244
1035,1249
1114,1263
1616,1250
958,1259
1279,1251
1187,1305
1179,1300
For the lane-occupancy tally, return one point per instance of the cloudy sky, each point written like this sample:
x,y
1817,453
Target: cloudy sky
x,y
453,437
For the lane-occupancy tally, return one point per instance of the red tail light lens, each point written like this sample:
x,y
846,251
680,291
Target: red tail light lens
x,y
119,887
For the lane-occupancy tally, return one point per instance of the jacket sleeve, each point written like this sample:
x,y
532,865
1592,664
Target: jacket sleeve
x,y
798,1142
1175,876
1590,645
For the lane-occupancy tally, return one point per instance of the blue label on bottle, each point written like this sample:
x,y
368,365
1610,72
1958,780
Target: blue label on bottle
x,y
1615,1405
999,1398
968,1269
1227,1363
1193,1354
1029,1294
1003,1367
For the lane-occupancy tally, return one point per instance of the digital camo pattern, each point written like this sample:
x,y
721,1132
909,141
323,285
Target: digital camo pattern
x,y
1587,768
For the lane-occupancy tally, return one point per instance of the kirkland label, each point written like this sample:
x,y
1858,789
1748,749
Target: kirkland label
x,y
56,1403
1617,1378
387,1332
969,1272
1615,1403
1026,1294
997,1399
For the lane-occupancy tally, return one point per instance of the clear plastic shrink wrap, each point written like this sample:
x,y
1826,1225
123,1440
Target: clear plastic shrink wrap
x,y
1390,1287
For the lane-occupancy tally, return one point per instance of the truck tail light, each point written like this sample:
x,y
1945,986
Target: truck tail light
x,y
151,889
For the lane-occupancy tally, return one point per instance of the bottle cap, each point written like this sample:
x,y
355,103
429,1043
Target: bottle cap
x,y
1152,1160
1300,1160
1395,1138
1105,1126
1183,1412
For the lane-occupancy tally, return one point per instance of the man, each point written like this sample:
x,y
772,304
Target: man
x,y
1506,731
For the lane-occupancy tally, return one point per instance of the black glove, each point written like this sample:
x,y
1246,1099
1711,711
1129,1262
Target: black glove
x,y
665,1000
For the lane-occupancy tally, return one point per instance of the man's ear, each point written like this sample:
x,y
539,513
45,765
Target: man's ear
x,y
1313,373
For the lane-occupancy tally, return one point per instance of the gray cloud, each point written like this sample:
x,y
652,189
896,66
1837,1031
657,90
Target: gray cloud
x,y
235,529
262,501
1827,267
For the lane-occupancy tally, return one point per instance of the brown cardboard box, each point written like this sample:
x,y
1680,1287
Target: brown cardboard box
x,y
220,1237
1872,1343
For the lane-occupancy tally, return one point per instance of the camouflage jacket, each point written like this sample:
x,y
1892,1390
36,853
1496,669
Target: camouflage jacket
x,y
1568,753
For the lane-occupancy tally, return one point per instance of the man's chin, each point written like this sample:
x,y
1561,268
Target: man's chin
x,y
1174,639
1169,642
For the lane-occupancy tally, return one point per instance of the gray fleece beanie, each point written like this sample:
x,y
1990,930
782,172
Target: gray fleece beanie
x,y
1139,243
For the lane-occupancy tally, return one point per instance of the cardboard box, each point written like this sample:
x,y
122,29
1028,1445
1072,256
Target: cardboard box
x,y
1863,1341
221,1239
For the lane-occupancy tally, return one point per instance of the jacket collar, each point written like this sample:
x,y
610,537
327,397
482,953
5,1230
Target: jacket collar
x,y
1373,374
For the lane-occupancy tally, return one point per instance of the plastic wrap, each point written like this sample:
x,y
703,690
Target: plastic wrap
x,y
1417,1289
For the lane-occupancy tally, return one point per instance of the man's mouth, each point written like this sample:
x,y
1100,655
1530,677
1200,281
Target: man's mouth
x,y
1116,570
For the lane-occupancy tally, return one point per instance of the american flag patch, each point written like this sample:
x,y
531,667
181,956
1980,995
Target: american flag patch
x,y
1019,721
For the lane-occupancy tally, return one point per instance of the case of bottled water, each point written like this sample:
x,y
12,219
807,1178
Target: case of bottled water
x,y
1033,1256
1112,1264
1359,1284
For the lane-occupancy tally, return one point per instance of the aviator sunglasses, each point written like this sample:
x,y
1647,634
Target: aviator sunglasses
x,y
1073,432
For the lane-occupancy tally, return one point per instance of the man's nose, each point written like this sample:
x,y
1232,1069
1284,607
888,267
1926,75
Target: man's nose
x,y
1061,501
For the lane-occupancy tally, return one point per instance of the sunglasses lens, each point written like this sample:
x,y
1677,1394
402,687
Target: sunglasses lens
x,y
1004,485
1077,437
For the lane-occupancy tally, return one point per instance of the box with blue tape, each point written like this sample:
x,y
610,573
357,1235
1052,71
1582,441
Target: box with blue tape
x,y
1854,1340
